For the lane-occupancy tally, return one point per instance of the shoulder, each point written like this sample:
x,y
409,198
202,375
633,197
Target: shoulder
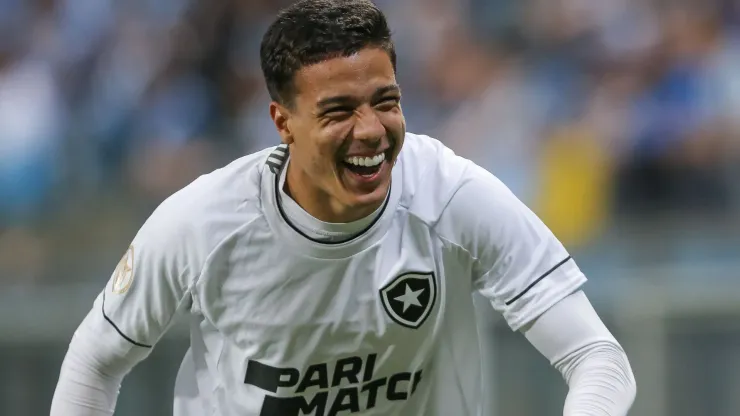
x,y
198,217
434,176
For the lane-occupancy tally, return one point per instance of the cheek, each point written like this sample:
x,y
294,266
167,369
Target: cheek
x,y
331,138
394,122
322,163
334,134
323,152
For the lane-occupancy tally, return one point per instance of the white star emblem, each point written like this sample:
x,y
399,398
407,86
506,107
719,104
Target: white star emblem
x,y
411,297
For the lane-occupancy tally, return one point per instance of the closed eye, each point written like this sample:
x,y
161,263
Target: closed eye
x,y
339,111
387,103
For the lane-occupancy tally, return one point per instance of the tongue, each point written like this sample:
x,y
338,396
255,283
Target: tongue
x,y
363,170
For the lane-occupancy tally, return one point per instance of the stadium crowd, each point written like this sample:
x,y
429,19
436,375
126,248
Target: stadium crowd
x,y
597,113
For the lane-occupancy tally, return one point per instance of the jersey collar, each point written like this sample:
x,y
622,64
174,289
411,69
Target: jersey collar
x,y
293,236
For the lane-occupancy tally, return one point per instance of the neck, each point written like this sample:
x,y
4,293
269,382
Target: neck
x,y
318,203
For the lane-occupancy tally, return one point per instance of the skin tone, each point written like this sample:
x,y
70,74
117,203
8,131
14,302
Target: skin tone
x,y
344,107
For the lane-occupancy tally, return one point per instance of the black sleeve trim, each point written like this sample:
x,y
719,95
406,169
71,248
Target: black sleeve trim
x,y
547,273
138,344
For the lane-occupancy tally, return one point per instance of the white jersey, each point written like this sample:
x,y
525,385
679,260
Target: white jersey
x,y
382,324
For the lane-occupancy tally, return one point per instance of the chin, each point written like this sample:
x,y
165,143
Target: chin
x,y
370,199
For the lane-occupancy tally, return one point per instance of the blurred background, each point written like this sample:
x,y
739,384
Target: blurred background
x,y
617,121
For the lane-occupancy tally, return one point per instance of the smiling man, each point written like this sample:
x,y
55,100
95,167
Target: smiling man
x,y
332,274
344,128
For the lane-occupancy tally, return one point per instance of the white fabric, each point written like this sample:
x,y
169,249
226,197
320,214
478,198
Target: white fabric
x,y
316,228
570,335
380,325
576,342
94,366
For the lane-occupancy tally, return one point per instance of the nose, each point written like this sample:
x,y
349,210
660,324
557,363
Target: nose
x,y
368,127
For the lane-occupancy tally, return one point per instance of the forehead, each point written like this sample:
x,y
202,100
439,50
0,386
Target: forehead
x,y
357,75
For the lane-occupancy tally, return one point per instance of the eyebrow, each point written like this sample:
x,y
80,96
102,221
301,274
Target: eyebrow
x,y
388,88
348,99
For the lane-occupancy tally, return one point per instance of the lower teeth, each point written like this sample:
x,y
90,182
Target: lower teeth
x,y
363,170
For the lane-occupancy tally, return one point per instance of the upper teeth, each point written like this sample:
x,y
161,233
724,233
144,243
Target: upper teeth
x,y
366,161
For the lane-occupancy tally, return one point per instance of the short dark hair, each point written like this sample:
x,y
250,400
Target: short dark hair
x,y
312,31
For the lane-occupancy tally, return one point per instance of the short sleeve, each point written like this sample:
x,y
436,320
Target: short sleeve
x,y
517,262
151,282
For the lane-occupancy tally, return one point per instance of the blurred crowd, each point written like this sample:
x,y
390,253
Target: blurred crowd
x,y
597,113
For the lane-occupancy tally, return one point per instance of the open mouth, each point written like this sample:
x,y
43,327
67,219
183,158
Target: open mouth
x,y
367,166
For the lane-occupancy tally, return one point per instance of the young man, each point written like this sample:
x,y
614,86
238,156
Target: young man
x,y
332,275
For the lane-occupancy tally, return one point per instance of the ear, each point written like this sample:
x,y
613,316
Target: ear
x,y
281,117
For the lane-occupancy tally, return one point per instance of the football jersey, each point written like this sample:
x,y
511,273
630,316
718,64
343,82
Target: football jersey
x,y
381,324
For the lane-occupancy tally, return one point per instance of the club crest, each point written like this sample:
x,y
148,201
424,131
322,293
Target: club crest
x,y
409,298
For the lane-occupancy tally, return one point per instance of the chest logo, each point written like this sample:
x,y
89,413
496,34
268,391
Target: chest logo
x,y
409,298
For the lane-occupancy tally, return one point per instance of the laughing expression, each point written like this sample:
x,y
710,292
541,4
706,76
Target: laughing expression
x,y
345,129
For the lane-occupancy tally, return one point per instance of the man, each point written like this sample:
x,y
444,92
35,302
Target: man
x,y
332,275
